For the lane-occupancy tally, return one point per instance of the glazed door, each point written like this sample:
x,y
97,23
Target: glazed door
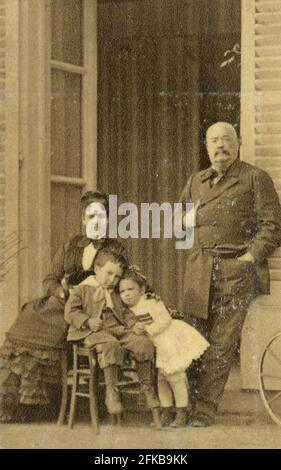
x,y
73,113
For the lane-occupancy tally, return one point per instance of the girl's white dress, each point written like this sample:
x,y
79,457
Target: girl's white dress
x,y
177,343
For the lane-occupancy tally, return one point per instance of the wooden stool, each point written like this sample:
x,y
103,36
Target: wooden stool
x,y
64,376
89,373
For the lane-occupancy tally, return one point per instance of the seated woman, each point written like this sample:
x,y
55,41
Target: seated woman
x,y
30,355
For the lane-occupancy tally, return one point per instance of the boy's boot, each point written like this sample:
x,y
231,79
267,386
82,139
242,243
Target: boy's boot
x,y
143,370
112,398
167,416
180,419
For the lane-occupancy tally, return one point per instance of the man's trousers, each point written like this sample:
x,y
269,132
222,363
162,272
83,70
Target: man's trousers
x,y
233,286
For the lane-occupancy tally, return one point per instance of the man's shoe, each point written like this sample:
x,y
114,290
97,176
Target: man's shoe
x,y
113,403
200,422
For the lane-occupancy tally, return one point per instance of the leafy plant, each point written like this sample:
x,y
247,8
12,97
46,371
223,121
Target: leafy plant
x,y
233,55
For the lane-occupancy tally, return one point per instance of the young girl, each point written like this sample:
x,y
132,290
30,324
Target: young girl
x,y
176,343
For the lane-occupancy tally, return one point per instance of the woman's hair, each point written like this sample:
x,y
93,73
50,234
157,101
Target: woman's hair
x,y
94,196
134,273
110,253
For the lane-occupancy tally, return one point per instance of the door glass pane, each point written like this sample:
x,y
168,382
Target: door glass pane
x,y
65,214
67,37
66,145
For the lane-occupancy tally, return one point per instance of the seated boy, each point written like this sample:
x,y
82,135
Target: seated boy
x,y
96,317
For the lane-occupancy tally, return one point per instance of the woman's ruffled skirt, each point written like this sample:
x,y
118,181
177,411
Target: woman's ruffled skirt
x,y
34,368
27,374
30,358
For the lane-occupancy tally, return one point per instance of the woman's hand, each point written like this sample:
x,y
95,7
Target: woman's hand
x,y
139,328
59,293
95,324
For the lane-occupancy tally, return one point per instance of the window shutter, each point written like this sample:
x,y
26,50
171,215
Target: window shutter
x,y
268,109
261,146
261,96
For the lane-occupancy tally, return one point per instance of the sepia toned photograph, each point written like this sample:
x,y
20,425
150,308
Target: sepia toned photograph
x,y
140,224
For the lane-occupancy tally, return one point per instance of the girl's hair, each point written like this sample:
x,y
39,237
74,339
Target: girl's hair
x,y
94,196
134,273
110,254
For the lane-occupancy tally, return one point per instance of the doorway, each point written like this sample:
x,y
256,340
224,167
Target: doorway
x,y
160,85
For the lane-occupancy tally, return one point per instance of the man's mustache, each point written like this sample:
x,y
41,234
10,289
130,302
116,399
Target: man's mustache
x,y
225,152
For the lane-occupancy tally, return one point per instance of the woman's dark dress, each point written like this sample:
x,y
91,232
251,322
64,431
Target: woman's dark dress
x,y
30,355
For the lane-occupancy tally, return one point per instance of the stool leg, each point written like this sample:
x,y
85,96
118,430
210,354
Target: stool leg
x,y
63,404
74,388
92,393
156,417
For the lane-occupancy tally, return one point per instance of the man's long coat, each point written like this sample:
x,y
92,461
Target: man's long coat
x,y
240,213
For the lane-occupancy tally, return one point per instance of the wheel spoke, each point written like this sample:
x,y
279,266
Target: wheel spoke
x,y
274,398
270,376
274,355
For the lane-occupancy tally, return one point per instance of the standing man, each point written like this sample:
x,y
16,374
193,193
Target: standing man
x,y
237,227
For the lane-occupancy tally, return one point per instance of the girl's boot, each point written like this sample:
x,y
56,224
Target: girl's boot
x,y
180,419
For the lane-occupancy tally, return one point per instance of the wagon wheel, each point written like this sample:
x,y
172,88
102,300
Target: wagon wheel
x,y
270,377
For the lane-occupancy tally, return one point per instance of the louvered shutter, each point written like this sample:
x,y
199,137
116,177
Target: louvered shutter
x,y
261,146
268,109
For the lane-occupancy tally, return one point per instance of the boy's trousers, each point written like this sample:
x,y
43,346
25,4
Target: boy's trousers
x,y
110,348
